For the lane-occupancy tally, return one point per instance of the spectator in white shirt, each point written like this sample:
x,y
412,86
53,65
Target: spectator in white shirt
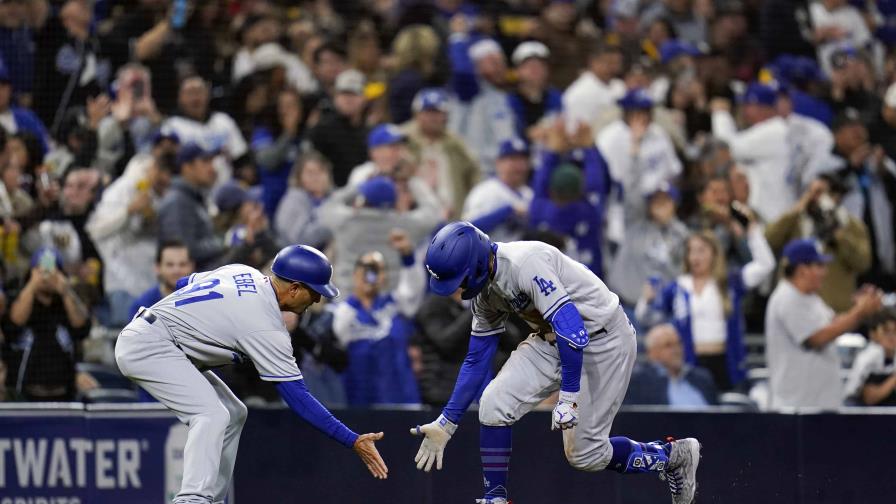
x,y
595,92
762,149
837,24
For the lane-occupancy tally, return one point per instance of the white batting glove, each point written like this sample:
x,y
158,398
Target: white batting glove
x,y
565,415
436,437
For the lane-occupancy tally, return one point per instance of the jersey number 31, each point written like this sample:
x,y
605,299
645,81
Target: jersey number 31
x,y
204,286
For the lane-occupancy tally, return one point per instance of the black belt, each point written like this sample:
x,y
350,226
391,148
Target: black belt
x,y
146,315
590,337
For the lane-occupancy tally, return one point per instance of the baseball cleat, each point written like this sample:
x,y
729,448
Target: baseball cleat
x,y
493,500
681,474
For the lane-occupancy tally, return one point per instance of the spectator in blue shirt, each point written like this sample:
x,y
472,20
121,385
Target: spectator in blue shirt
x,y
15,119
172,262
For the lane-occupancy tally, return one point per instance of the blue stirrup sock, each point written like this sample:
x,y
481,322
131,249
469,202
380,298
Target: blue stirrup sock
x,y
494,449
634,457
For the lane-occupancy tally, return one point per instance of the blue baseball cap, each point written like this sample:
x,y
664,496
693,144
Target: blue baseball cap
x,y
385,134
230,196
431,99
165,133
39,254
378,192
805,251
193,151
672,49
636,99
513,147
665,188
759,94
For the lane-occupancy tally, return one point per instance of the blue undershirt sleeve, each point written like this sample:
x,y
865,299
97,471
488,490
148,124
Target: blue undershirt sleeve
x,y
473,371
572,338
488,222
300,400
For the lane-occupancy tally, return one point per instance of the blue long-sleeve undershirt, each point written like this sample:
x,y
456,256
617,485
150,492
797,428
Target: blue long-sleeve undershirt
x,y
300,400
473,371
572,338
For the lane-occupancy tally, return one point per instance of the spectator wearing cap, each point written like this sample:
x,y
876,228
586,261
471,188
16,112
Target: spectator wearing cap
x,y
443,161
533,99
687,21
882,128
44,326
417,51
570,187
14,119
638,152
872,378
124,228
183,212
869,177
666,379
341,133
247,233
653,247
762,149
387,145
362,217
819,215
499,205
800,330
480,113
272,56
852,83
568,36
172,262
297,219
801,78
837,23
597,89
194,122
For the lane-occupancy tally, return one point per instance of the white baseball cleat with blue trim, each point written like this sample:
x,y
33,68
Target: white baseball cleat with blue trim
x,y
682,472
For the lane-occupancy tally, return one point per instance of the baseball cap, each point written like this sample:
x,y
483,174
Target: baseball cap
x,y
484,48
890,96
378,192
165,133
193,151
805,251
665,188
841,55
350,81
431,99
759,94
513,147
672,49
230,196
385,134
268,56
636,99
566,181
848,117
530,49
46,251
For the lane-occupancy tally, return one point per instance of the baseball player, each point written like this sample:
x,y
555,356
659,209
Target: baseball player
x,y
221,317
584,345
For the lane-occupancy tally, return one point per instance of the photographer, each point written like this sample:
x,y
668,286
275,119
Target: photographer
x,y
819,214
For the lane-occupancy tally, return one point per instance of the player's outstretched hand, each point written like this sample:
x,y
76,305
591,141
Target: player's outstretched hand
x,y
366,449
436,435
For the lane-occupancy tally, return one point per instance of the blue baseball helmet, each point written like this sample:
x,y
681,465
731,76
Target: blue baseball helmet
x,y
308,266
458,258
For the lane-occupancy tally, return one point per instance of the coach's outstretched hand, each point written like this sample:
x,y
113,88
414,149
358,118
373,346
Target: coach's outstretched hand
x,y
436,435
366,449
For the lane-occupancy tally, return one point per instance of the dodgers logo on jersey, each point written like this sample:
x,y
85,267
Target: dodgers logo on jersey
x,y
545,286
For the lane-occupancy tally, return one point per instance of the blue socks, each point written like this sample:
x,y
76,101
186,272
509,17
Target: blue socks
x,y
494,449
634,457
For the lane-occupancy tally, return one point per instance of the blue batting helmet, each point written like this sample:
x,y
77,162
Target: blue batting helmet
x,y
308,266
458,258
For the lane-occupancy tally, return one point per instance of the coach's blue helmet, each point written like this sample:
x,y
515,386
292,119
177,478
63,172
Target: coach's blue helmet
x,y
458,258
308,266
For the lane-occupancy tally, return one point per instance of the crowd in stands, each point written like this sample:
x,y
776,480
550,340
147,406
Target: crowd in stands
x,y
728,167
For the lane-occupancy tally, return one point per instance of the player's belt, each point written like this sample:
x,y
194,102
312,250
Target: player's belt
x,y
147,315
590,336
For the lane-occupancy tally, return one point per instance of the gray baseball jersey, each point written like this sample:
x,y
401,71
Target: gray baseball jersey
x,y
227,315
534,279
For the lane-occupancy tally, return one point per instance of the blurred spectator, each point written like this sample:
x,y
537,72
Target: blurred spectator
x,y
800,330
729,38
341,133
18,22
131,126
837,24
819,215
705,304
361,219
14,200
597,89
276,147
387,146
416,51
881,130
444,161
870,180
725,219
872,379
853,84
665,378
639,153
499,205
653,247
172,262
329,61
15,119
801,80
375,327
570,189
568,37
261,52
785,27
687,22
182,213
247,233
481,113
194,122
123,226
533,99
44,327
297,218
762,149
809,140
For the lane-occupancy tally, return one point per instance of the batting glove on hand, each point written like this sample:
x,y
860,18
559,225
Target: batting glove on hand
x,y
436,437
565,415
